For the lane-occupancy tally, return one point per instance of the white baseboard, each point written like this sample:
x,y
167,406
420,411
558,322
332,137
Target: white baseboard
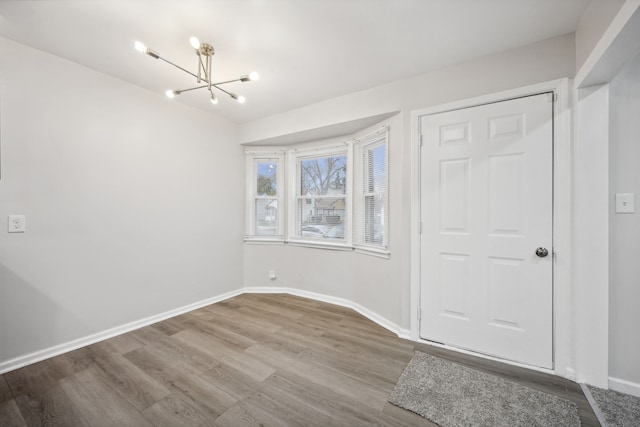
x,y
56,350
624,386
343,302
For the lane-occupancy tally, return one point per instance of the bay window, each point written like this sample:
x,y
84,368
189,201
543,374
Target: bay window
x,y
336,196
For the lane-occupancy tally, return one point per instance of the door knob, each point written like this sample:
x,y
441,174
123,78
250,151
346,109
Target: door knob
x,y
542,252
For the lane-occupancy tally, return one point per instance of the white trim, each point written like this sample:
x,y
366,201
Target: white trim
x,y
59,349
264,241
373,135
319,150
267,152
371,315
320,245
562,195
364,250
56,350
416,227
624,386
348,202
563,250
591,235
369,250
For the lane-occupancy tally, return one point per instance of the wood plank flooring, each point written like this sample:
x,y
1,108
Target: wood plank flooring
x,y
253,360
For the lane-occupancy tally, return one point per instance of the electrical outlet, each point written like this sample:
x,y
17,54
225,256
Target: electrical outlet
x,y
17,224
272,275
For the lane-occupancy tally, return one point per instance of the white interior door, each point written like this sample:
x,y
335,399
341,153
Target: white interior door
x,y
486,208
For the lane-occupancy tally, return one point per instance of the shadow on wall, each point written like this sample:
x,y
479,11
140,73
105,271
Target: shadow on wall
x,y
29,319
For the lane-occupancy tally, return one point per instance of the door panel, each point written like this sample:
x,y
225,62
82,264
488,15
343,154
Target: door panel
x,y
486,205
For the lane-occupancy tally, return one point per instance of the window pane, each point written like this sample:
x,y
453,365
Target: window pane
x,y
322,176
267,181
321,218
266,217
374,219
376,169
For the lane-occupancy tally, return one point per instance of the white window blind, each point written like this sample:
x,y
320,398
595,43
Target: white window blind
x,y
371,202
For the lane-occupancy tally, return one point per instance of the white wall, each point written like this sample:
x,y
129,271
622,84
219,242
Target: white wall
x,y
130,203
624,293
590,227
543,61
383,286
593,24
353,276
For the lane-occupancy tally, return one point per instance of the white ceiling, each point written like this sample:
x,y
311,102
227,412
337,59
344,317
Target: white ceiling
x,y
305,50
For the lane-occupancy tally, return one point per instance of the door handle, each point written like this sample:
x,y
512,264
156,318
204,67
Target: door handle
x,y
542,252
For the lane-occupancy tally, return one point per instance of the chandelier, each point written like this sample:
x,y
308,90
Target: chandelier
x,y
204,52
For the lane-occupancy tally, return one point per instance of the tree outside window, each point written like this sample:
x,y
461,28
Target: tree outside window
x,y
321,197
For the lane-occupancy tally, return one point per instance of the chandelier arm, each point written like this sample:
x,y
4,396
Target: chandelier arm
x,y
203,67
191,88
214,100
220,89
227,81
209,61
179,67
199,78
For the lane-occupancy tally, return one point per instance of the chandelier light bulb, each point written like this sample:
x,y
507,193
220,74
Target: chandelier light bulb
x,y
214,100
240,98
140,47
195,43
254,76
170,93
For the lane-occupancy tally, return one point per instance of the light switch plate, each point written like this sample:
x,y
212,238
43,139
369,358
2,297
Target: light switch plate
x,y
625,203
17,224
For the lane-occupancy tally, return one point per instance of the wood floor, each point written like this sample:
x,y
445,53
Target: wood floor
x,y
256,359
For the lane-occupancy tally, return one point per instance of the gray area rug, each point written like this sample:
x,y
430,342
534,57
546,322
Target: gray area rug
x,y
453,395
619,409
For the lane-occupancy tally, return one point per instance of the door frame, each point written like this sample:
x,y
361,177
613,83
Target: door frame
x,y
563,301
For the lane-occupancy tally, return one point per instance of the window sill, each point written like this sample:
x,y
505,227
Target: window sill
x,y
364,250
377,252
320,245
264,240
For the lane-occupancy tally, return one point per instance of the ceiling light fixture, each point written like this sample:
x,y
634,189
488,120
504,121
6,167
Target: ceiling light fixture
x,y
205,53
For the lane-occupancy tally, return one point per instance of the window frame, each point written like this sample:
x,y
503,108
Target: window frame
x,y
252,158
365,144
295,157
